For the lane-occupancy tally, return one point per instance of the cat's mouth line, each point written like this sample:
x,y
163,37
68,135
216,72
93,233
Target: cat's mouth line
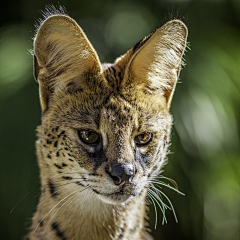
x,y
117,192
122,191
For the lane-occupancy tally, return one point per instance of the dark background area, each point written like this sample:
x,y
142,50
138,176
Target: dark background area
x,y
205,152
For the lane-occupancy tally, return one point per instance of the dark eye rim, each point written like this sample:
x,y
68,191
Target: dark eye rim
x,y
84,141
144,144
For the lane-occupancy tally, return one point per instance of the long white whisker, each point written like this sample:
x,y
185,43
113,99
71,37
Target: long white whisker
x,y
74,198
163,207
63,205
149,194
169,179
84,198
170,205
42,187
20,201
169,186
61,179
61,188
53,208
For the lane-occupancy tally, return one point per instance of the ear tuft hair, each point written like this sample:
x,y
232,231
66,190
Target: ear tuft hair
x,y
153,65
63,56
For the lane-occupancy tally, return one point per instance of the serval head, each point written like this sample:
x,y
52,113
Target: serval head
x,y
105,127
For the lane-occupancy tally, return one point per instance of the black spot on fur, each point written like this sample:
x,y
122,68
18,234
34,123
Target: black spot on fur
x,y
79,183
70,159
41,223
57,154
59,233
49,142
56,165
55,225
94,174
49,156
64,164
61,133
52,188
55,144
95,191
67,178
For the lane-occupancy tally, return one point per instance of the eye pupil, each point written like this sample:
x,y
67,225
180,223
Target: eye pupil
x,y
88,136
143,139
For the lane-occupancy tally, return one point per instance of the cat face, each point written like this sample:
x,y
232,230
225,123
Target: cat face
x,y
114,147
106,126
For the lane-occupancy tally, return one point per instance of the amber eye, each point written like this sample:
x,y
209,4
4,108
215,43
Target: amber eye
x,y
143,139
88,136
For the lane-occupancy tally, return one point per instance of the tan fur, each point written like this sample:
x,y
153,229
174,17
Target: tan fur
x,y
120,101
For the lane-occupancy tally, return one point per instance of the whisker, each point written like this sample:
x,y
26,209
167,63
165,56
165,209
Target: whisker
x,y
20,201
84,198
62,206
172,208
74,197
170,180
152,200
166,206
37,188
64,173
169,186
60,187
161,205
52,209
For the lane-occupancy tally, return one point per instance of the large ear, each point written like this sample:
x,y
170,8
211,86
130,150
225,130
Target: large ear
x,y
63,56
154,64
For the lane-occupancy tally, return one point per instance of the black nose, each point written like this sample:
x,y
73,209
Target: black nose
x,y
121,173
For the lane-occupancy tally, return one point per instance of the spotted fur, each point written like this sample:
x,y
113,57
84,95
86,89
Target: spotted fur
x,y
80,197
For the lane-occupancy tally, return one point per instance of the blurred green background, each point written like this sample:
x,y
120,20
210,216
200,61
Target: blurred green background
x,y
205,138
